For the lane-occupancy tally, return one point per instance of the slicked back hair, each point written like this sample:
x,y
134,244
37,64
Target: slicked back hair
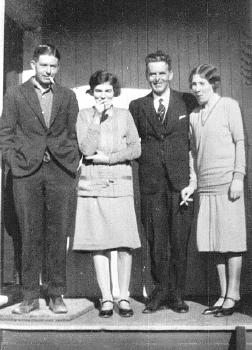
x,y
208,72
46,49
158,56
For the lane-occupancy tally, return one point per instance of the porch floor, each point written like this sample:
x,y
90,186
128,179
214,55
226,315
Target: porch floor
x,y
163,320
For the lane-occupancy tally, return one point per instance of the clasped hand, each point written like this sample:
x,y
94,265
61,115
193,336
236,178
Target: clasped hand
x,y
99,158
185,195
235,189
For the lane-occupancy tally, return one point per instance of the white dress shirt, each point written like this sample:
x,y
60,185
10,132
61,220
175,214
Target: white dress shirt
x,y
165,100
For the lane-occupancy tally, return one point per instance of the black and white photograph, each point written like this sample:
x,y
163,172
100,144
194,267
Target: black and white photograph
x,y
125,174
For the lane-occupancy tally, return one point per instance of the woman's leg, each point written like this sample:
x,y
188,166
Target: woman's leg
x,y
124,264
102,269
220,261
234,273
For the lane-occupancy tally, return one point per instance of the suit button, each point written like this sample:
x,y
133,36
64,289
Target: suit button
x,y
162,137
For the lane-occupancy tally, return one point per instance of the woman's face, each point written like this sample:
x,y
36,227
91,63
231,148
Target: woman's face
x,y
201,89
103,93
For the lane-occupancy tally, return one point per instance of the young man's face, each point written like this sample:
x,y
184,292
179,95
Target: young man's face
x,y
159,77
45,67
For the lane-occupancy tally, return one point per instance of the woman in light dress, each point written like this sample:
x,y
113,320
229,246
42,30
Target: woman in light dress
x,y
219,161
105,218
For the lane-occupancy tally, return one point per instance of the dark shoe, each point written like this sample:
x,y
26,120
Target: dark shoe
x,y
106,313
26,306
157,302
179,306
212,310
57,305
224,311
125,312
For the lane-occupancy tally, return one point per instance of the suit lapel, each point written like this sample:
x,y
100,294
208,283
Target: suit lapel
x,y
28,91
173,111
151,115
57,100
171,107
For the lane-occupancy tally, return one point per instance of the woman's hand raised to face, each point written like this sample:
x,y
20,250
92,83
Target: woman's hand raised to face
x,y
102,105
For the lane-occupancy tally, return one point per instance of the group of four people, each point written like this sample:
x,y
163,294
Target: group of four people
x,y
52,151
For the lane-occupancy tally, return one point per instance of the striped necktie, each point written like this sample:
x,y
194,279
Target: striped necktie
x,y
161,111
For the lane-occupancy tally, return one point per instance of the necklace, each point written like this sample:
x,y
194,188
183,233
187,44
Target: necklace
x,y
205,118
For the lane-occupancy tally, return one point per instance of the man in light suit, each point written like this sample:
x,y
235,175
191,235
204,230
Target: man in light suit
x,y
162,120
39,144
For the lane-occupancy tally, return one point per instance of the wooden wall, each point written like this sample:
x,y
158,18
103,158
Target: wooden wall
x,y
117,35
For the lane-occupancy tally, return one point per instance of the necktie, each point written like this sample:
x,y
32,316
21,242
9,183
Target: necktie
x,y
161,111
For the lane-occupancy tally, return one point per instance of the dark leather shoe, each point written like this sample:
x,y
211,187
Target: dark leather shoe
x,y
125,312
179,306
158,302
57,305
26,307
224,311
107,312
212,310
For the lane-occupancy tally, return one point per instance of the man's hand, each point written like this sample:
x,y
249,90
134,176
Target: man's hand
x,y
236,189
99,158
185,195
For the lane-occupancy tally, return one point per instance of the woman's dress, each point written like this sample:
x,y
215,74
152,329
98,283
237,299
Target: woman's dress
x,y
218,152
105,217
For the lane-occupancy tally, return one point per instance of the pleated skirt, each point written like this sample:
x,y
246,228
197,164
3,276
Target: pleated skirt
x,y
105,223
221,225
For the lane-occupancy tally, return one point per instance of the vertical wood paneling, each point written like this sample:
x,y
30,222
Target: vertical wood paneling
x,y
141,41
183,48
236,82
98,35
68,53
162,31
214,24
118,36
225,54
132,55
83,54
153,13
203,34
114,39
172,30
126,44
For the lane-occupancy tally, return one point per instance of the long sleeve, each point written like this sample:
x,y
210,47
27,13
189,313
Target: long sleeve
x,y
133,149
87,132
7,126
236,129
73,110
192,161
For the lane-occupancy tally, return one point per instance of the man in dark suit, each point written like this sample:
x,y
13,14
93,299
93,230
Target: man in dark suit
x,y
162,121
39,144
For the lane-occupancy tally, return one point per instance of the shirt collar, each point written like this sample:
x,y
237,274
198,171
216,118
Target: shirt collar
x,y
165,96
40,88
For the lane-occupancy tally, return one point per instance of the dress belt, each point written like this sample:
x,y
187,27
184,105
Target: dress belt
x,y
126,177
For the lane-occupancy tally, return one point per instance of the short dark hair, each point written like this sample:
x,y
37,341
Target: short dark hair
x,y
206,71
158,56
102,76
46,49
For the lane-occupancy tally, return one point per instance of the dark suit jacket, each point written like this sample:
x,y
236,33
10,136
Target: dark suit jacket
x,y
165,147
24,136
